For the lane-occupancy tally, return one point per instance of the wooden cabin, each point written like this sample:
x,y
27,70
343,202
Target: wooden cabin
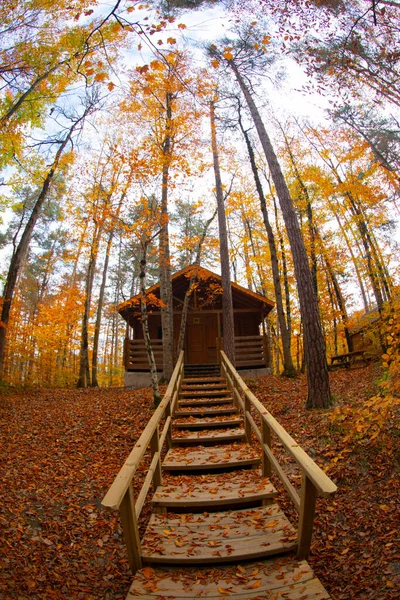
x,y
365,333
204,334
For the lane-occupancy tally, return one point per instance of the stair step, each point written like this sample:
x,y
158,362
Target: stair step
x,y
210,458
202,372
201,393
218,490
216,421
203,387
280,577
204,409
189,381
204,401
217,537
200,366
209,436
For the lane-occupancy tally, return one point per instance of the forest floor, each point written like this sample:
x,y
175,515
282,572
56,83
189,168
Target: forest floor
x,y
60,450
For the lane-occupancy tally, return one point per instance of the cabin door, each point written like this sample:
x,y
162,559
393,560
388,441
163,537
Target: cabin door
x,y
196,344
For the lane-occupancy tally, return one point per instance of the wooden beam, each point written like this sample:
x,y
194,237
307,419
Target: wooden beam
x,y
306,517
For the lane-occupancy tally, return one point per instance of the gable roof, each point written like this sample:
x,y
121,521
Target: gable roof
x,y
365,321
180,281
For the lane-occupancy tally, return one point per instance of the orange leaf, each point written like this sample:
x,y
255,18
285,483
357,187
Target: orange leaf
x,y
148,572
255,585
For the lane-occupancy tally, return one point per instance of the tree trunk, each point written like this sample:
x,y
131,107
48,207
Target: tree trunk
x,y
339,297
146,334
84,369
319,395
100,302
227,305
288,366
96,336
309,210
21,252
361,224
355,263
193,277
246,255
167,316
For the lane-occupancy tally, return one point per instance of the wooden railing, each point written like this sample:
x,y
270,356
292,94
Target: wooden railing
x,y
314,480
251,351
135,355
120,496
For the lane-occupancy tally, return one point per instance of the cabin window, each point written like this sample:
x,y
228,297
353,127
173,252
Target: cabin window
x,y
159,333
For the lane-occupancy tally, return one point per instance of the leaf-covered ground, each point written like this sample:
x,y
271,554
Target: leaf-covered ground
x,y
60,450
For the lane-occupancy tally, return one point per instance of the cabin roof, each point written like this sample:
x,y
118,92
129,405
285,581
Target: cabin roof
x,y
365,321
241,296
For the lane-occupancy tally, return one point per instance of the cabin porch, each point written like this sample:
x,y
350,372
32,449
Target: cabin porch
x,y
251,352
204,326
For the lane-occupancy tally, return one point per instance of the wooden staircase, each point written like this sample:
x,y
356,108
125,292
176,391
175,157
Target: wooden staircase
x,y
215,509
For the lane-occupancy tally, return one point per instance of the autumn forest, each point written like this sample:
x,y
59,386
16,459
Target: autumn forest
x,y
97,106
258,139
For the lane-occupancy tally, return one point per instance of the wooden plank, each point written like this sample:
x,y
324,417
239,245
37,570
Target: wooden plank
x,y
141,366
188,394
215,457
220,489
217,537
205,436
117,491
199,380
306,517
196,422
268,457
140,343
250,353
204,401
247,337
223,409
310,590
322,482
204,386
146,484
282,577
250,363
130,529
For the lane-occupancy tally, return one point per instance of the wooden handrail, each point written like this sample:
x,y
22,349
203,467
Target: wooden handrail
x,y
117,491
322,482
120,495
314,480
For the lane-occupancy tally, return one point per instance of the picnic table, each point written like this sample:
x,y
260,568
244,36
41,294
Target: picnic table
x,y
349,358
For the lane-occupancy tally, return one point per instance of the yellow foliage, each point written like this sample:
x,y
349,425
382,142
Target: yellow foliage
x,y
368,422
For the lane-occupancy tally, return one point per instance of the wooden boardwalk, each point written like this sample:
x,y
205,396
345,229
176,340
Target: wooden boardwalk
x,y
217,530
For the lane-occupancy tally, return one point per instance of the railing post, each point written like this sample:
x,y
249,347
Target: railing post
x,y
266,439
155,447
247,424
130,530
168,413
266,351
221,346
308,499
127,343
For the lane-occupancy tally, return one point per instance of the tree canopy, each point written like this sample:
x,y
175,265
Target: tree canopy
x,y
105,140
